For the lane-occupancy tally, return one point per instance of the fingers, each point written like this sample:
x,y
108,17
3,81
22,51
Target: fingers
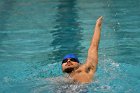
x,y
100,18
99,21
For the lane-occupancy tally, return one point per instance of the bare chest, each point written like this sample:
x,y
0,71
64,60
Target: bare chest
x,y
82,75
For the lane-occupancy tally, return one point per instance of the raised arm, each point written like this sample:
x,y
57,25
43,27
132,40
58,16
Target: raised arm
x,y
92,58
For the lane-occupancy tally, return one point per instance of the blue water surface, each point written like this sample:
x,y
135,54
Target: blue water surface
x,y
36,34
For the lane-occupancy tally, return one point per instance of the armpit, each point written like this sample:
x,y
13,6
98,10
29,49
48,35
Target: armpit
x,y
90,68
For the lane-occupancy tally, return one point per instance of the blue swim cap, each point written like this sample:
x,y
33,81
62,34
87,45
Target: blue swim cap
x,y
71,56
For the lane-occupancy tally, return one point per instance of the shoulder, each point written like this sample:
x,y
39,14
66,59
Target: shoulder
x,y
86,67
89,69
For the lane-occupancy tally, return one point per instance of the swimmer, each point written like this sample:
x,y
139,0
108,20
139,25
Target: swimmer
x,y
84,73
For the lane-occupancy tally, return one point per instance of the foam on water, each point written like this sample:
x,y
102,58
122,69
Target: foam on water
x,y
111,77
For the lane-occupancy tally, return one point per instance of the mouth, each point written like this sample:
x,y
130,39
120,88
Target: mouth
x,y
69,64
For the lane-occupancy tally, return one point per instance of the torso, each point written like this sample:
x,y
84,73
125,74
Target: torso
x,y
83,74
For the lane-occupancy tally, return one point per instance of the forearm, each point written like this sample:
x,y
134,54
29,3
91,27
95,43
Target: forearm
x,y
96,37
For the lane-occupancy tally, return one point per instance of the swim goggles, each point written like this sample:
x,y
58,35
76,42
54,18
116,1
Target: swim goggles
x,y
71,59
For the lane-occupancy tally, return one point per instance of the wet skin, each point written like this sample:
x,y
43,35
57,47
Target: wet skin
x,y
84,73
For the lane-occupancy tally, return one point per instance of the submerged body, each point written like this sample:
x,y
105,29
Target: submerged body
x,y
84,73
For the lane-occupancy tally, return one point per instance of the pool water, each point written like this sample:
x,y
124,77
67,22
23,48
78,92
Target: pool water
x,y
36,34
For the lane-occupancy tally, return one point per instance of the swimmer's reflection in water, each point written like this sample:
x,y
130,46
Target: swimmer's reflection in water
x,y
84,73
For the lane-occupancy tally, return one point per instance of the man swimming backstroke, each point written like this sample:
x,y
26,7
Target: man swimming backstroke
x,y
84,73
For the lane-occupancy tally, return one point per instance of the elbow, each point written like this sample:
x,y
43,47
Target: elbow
x,y
93,48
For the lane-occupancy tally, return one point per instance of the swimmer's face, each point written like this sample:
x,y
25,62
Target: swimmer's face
x,y
69,65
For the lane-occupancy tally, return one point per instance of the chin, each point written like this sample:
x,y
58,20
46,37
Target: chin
x,y
68,70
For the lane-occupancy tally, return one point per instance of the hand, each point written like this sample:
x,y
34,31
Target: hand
x,y
99,21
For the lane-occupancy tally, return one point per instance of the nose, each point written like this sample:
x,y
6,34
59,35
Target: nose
x,y
69,62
